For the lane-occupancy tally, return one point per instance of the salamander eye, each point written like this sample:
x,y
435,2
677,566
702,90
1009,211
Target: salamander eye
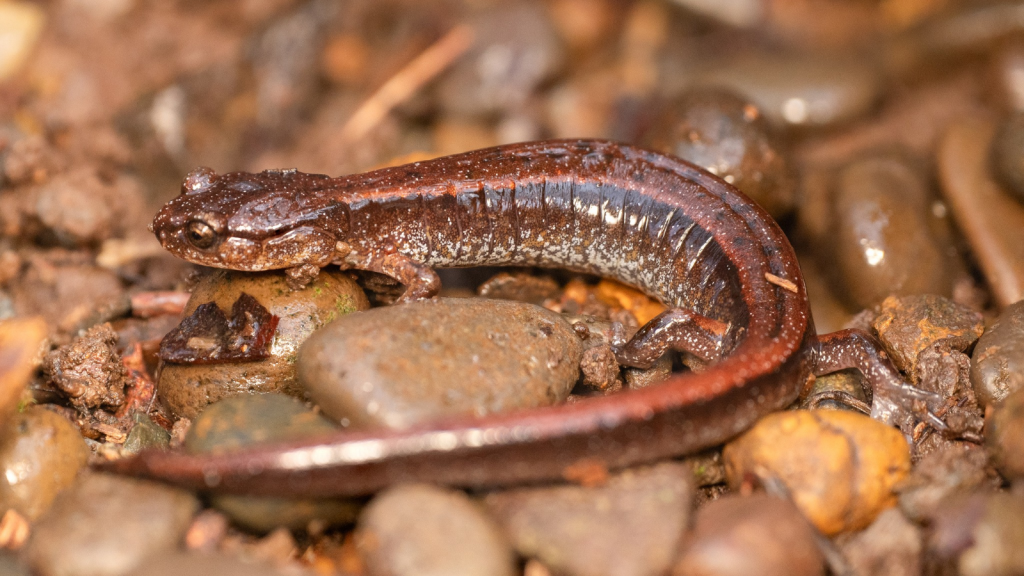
x,y
200,234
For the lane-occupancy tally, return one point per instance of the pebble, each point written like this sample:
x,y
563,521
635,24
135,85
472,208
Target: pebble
x,y
907,326
20,26
1004,435
424,530
516,49
630,526
956,469
187,389
183,564
1008,155
758,534
840,467
891,545
39,460
997,365
398,366
128,520
884,239
20,343
800,90
242,421
728,136
982,533
520,287
991,220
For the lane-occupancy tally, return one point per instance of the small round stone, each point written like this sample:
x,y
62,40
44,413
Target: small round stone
x,y
885,239
419,529
801,90
997,365
401,365
188,388
728,136
241,421
128,520
1005,435
180,563
39,460
630,525
759,534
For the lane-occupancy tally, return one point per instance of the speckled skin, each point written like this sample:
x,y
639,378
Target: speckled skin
x,y
653,221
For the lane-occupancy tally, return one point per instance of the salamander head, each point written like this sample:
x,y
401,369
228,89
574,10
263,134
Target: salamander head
x,y
253,222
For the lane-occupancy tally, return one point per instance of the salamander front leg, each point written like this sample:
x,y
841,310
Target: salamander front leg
x,y
677,329
421,282
892,395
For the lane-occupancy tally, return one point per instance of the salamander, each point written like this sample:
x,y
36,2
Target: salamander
x,y
723,267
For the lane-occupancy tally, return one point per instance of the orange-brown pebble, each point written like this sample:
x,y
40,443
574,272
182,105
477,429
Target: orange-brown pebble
x,y
621,296
20,340
840,467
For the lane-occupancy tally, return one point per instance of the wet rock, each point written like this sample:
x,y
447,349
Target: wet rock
x,y
600,370
956,469
728,136
997,365
242,421
516,50
758,534
188,388
128,520
401,365
1005,435
179,564
629,526
38,460
20,343
992,221
885,237
840,467
89,370
800,90
891,545
1008,155
907,326
420,529
659,372
981,533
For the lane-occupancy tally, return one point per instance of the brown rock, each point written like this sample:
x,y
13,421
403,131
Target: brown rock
x,y
997,365
991,220
759,534
39,460
1005,435
89,370
907,326
105,525
629,527
890,546
400,365
419,529
20,342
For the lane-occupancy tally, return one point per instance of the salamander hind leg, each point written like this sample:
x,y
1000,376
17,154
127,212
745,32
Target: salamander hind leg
x,y
678,329
893,397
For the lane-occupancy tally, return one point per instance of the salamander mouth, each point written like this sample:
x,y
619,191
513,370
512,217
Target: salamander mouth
x,y
302,245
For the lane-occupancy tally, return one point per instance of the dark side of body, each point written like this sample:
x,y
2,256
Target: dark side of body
x,y
721,264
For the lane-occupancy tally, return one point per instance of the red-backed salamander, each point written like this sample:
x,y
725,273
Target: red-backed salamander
x,y
675,231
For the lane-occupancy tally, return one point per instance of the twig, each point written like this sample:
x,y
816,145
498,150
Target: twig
x,y
407,81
